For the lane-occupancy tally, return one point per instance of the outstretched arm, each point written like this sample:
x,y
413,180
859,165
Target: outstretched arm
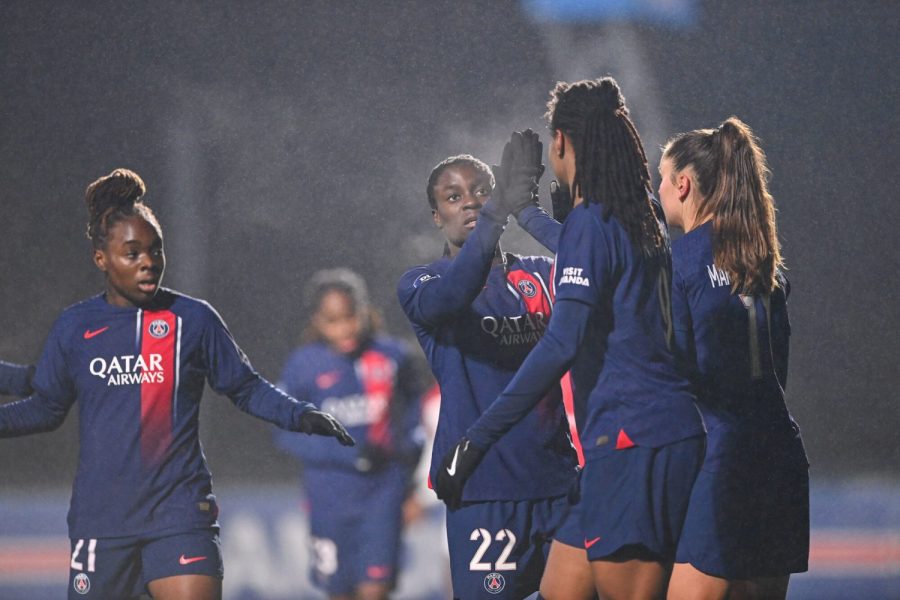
x,y
428,298
541,226
15,380
543,368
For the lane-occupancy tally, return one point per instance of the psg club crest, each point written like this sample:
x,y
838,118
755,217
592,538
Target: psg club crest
x,y
494,583
527,288
158,328
81,583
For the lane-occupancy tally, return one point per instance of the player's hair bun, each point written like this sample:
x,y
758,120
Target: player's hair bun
x,y
120,188
608,96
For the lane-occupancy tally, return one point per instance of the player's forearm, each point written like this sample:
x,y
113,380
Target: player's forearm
x,y
34,414
541,370
15,380
457,288
259,398
541,226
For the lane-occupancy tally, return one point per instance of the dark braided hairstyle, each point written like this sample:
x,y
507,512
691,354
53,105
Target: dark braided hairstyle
x,y
112,198
460,159
610,163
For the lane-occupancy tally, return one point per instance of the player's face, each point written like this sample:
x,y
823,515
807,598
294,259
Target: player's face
x,y
338,323
133,261
669,195
460,192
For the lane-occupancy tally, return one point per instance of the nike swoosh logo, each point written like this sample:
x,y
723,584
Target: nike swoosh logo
x,y
451,470
193,559
88,334
589,543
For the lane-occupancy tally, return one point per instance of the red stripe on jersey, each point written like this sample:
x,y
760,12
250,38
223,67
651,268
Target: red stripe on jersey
x,y
531,290
553,283
376,372
158,339
569,404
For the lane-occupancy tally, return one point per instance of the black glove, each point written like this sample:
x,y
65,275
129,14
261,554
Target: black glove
x,y
371,458
316,422
561,200
519,172
458,465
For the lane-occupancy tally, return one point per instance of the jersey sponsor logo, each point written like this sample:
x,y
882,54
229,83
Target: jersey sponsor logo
x,y
527,288
356,409
574,276
424,279
128,369
88,334
520,329
158,329
82,584
494,583
717,277
183,560
588,543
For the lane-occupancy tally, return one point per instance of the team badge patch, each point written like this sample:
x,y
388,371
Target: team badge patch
x,y
527,288
81,583
494,583
158,328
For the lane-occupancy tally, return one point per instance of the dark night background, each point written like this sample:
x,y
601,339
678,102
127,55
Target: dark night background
x,y
278,138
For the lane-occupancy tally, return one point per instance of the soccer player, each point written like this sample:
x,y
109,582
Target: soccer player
x,y
747,527
477,312
15,379
372,383
642,433
143,516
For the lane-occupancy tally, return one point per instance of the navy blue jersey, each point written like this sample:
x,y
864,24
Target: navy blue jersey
x,y
138,376
375,393
625,377
735,346
15,380
612,326
476,323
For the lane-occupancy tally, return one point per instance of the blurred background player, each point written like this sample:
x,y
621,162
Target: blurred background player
x,y
373,384
15,379
143,516
747,527
477,311
642,433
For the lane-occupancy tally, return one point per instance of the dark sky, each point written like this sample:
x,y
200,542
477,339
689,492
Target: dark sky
x,y
278,138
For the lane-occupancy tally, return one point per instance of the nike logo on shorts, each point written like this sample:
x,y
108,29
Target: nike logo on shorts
x,y
588,543
186,561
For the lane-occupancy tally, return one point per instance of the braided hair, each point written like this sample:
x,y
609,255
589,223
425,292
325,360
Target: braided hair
x,y
610,163
111,199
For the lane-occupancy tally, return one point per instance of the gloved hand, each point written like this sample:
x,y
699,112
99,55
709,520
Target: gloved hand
x,y
561,200
371,458
457,466
519,172
316,422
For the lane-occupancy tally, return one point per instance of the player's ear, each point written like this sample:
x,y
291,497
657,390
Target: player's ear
x,y
559,143
685,185
100,259
437,219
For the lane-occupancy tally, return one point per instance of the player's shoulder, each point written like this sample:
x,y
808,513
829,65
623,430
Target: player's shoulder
x,y
308,356
390,346
416,276
693,249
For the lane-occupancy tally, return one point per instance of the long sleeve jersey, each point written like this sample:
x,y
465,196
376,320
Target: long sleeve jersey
x,y
15,380
138,376
476,323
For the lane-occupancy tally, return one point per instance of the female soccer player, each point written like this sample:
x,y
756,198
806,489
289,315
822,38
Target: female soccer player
x,y
477,312
15,380
642,433
371,383
143,516
747,527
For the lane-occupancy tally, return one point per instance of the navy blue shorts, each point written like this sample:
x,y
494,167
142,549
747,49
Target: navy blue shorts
x,y
635,500
499,549
122,567
355,526
749,511
569,531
